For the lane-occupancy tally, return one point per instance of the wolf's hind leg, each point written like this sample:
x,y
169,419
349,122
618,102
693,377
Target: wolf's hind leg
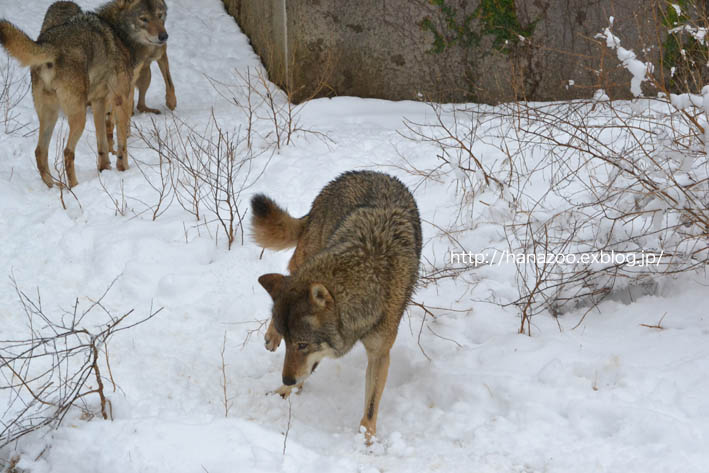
x,y
48,111
77,122
109,128
99,111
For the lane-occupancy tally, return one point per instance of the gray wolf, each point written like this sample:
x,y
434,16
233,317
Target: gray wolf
x,y
61,12
81,58
351,277
150,16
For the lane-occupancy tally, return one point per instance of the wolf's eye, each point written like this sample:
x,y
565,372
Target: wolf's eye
x,y
144,19
302,346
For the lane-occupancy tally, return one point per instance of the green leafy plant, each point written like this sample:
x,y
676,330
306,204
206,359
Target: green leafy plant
x,y
496,18
456,32
499,19
684,50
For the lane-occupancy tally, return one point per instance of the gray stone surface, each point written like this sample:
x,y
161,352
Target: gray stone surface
x,y
377,48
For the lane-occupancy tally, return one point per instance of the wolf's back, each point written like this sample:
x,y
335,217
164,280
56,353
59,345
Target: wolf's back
x,y
357,189
59,13
22,47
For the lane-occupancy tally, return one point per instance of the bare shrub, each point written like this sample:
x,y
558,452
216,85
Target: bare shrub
x,y
453,131
227,172
208,169
58,365
159,178
272,117
172,140
644,172
226,400
594,198
14,87
120,204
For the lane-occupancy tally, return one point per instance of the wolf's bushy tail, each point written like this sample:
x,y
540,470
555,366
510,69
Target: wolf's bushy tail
x,y
21,47
272,227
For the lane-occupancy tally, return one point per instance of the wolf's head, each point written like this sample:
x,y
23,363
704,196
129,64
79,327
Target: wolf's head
x,y
144,20
304,315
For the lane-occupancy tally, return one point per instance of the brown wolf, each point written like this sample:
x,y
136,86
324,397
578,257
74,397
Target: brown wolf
x,y
61,12
87,59
351,276
150,15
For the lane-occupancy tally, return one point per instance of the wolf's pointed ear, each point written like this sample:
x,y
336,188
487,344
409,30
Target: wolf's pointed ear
x,y
320,296
273,283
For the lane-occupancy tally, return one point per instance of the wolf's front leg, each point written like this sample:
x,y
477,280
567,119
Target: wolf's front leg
x,y
170,99
272,337
376,378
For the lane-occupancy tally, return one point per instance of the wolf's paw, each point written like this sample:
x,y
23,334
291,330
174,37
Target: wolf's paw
x,y
146,109
284,391
369,430
103,163
47,179
171,101
272,339
121,163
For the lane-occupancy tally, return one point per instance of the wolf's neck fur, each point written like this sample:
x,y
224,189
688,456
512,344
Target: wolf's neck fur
x,y
111,14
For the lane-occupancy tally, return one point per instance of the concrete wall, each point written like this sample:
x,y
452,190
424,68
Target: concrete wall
x,y
264,24
377,48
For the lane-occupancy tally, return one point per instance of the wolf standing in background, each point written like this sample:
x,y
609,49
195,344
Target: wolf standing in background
x,y
61,12
86,59
148,17
352,274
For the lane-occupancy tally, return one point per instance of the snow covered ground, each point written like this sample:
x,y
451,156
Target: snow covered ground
x,y
610,396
